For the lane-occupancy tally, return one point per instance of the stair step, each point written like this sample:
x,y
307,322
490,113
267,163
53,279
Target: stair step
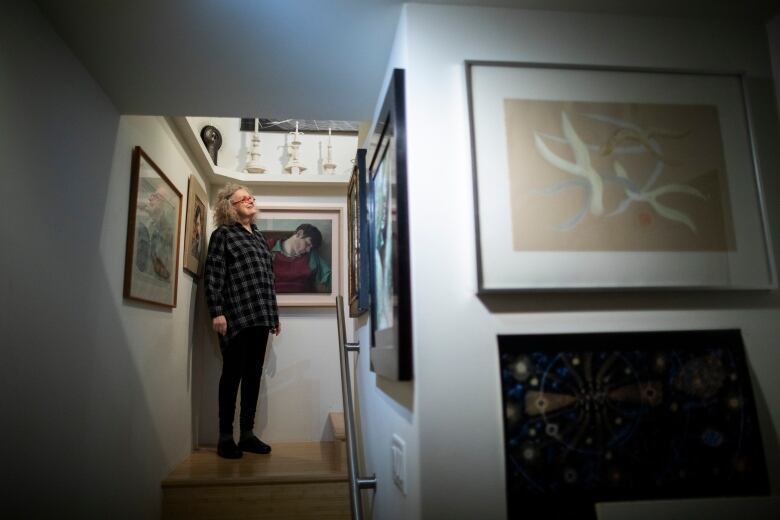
x,y
288,462
336,420
295,481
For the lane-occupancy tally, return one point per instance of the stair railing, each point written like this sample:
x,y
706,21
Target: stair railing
x,y
356,483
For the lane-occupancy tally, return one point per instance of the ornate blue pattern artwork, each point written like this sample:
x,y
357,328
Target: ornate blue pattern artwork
x,y
626,416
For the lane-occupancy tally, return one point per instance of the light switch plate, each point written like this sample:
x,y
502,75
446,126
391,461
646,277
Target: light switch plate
x,y
398,450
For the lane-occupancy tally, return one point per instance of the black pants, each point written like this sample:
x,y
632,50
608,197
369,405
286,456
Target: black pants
x,y
242,362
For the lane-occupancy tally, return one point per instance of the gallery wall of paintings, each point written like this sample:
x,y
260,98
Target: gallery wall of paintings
x,y
168,229
600,199
154,231
619,179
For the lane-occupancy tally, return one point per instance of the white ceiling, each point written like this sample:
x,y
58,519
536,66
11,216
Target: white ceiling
x,y
309,59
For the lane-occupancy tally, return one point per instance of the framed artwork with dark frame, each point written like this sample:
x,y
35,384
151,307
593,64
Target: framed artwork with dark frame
x,y
357,215
593,177
154,219
390,280
604,417
306,245
195,228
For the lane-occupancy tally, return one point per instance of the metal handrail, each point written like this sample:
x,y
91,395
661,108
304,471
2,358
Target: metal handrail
x,y
356,483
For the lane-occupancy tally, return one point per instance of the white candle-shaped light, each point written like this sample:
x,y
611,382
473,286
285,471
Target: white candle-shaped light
x,y
296,135
254,165
294,165
329,167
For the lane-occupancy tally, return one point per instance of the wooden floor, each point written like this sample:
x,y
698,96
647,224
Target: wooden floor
x,y
295,481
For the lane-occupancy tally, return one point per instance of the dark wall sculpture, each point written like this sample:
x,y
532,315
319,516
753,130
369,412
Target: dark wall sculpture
x,y
213,141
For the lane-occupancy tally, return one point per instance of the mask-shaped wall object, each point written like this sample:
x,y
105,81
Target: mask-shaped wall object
x,y
212,139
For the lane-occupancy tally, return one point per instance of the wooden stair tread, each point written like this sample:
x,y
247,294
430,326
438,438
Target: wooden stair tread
x,y
336,420
287,463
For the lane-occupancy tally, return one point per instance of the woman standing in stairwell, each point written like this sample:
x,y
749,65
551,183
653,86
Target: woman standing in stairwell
x,y
242,303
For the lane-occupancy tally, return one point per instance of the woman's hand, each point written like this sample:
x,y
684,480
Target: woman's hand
x,y
277,329
219,324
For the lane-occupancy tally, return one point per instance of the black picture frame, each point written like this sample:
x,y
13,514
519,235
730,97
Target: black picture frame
x,y
599,417
357,217
390,279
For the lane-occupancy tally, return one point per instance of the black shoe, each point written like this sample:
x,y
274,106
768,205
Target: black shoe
x,y
254,445
228,450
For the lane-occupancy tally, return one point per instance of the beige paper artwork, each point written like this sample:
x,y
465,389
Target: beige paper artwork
x,y
616,177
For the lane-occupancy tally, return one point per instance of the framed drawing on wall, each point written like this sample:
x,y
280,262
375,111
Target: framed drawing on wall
x,y
608,178
390,282
306,245
357,216
152,252
600,417
195,228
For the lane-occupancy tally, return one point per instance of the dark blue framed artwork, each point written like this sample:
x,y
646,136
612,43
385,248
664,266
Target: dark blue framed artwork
x,y
390,278
357,214
627,416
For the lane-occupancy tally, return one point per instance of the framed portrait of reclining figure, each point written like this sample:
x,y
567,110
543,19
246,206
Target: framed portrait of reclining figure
x,y
306,246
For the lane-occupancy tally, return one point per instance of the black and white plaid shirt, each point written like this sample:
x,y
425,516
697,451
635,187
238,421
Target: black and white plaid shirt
x,y
240,279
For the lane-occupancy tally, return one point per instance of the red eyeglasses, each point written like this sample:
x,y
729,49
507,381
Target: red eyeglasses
x,y
245,200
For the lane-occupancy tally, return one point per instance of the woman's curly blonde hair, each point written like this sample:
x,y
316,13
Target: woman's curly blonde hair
x,y
224,212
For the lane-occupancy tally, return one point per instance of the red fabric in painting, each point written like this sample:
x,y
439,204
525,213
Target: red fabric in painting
x,y
293,274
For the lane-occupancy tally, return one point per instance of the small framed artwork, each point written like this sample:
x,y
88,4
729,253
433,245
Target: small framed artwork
x,y
627,416
390,280
357,215
306,246
615,178
195,228
152,252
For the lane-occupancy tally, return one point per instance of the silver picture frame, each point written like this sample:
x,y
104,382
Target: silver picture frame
x,y
535,128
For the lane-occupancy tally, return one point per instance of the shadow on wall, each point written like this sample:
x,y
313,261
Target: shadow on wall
x,y
296,386
209,366
291,403
200,341
769,435
543,302
80,440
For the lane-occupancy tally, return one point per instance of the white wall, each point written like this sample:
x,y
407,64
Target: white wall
x,y
300,383
386,408
456,406
95,390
